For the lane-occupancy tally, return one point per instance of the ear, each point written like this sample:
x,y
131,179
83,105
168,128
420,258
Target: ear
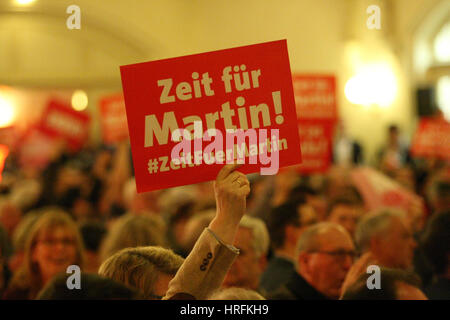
x,y
303,262
262,262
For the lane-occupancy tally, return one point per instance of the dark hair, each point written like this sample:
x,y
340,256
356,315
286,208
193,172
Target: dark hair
x,y
340,201
393,128
93,287
443,190
282,216
302,190
435,241
92,233
388,285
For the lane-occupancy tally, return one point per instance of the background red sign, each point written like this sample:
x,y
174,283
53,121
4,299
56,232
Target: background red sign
x,y
36,148
315,96
113,119
229,85
432,139
316,144
315,100
60,120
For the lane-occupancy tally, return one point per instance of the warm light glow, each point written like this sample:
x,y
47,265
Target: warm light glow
x,y
79,100
374,84
24,2
442,44
7,114
443,96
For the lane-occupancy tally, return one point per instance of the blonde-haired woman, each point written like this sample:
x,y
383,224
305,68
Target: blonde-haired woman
x,y
54,243
147,269
133,231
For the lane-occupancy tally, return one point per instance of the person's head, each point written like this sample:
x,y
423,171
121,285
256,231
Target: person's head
x,y
324,255
147,269
386,235
194,227
252,239
435,243
312,197
10,215
442,196
288,221
92,233
395,284
344,211
133,231
20,236
235,293
93,287
393,132
53,244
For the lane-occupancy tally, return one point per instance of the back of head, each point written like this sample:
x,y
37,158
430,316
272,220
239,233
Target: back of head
x,y
93,287
279,218
390,280
133,231
194,227
92,233
372,225
435,242
259,232
235,293
141,267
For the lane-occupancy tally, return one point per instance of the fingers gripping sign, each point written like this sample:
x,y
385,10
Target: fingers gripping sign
x,y
231,189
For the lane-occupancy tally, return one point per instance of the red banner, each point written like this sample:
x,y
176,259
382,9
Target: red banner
x,y
432,139
113,119
381,191
36,148
316,144
60,120
315,96
248,88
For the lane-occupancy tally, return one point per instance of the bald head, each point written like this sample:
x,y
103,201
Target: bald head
x,y
316,237
325,254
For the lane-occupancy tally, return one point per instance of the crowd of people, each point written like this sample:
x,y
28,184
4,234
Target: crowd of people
x,y
287,236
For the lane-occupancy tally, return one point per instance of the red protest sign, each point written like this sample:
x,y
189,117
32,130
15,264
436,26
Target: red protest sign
x,y
248,88
36,148
316,144
315,96
432,139
60,120
113,119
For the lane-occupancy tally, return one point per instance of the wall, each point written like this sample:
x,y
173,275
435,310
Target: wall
x,y
323,36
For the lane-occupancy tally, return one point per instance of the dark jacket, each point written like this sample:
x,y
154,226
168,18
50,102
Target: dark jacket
x,y
439,289
297,289
278,272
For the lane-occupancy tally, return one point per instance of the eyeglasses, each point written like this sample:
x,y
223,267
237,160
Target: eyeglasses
x,y
53,241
